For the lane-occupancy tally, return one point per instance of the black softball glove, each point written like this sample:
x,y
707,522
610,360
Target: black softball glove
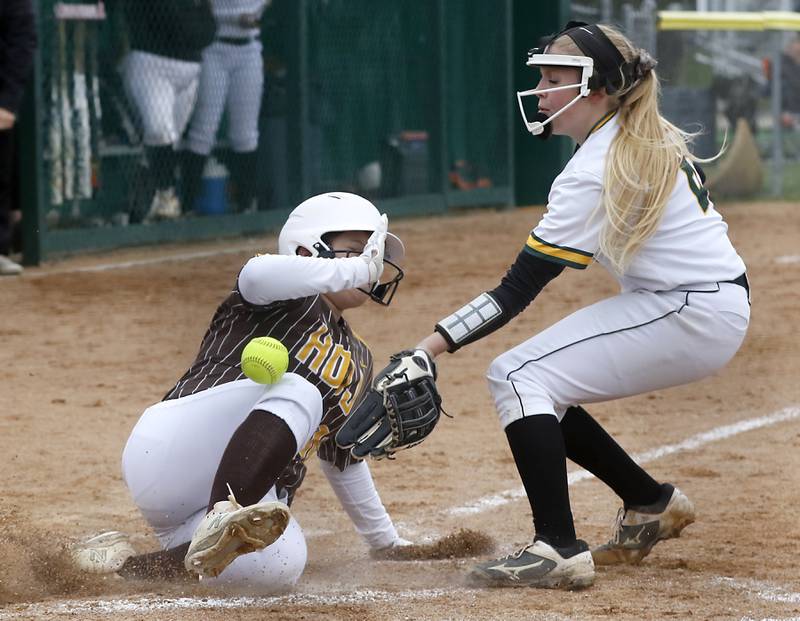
x,y
400,410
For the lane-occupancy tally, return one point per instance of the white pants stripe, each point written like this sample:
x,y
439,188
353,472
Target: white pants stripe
x,y
626,345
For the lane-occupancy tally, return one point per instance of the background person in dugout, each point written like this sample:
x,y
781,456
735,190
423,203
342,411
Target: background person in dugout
x,y
216,428
17,45
631,199
161,74
790,93
232,80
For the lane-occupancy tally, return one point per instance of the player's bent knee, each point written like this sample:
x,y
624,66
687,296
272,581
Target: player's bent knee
x,y
244,144
499,370
158,135
298,403
516,392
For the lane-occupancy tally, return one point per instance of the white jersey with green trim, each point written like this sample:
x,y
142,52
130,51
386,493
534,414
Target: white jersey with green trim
x,y
690,245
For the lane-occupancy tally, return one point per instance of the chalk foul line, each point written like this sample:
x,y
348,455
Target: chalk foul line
x,y
694,442
149,604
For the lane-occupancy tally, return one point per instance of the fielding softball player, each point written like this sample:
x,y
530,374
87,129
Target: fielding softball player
x,y
161,74
232,80
631,199
215,465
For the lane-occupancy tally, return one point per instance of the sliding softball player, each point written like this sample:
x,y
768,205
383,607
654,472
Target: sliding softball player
x,y
215,465
631,199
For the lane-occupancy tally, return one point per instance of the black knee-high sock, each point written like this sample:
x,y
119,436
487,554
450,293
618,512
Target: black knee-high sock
x,y
192,165
162,166
257,453
244,175
164,564
590,446
538,448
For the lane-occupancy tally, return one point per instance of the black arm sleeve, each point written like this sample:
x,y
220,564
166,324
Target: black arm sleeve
x,y
523,281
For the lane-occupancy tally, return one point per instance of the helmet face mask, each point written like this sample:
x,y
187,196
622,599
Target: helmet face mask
x,y
313,220
383,291
540,126
602,68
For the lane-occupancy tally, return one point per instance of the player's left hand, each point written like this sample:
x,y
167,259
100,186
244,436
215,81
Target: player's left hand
x,y
399,412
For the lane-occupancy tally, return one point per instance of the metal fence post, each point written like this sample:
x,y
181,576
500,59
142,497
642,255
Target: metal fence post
x,y
31,158
511,106
777,133
442,143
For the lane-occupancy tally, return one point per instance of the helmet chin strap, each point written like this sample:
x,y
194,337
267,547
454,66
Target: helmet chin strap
x,y
541,125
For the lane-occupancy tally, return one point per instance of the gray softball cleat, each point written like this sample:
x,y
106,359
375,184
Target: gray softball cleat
x,y
637,529
538,565
105,553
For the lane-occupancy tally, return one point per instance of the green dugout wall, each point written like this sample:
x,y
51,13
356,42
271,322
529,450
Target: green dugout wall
x,y
411,103
537,162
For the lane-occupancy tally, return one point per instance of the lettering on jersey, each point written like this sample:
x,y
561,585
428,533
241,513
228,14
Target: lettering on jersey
x,y
337,367
348,396
696,184
319,344
328,360
313,444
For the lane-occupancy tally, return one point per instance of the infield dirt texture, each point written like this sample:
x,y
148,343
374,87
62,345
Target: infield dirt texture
x,y
85,349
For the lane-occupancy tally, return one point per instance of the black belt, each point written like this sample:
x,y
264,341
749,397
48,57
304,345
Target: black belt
x,y
236,40
741,281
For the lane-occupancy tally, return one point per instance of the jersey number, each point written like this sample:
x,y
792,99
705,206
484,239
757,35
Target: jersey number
x,y
696,184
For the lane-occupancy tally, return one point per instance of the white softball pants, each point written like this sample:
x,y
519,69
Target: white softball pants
x,y
163,91
232,79
173,452
630,344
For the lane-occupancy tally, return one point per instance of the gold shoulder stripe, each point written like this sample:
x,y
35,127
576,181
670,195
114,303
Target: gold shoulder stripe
x,y
560,254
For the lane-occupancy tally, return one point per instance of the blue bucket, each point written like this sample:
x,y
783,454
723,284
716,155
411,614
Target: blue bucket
x,y
213,197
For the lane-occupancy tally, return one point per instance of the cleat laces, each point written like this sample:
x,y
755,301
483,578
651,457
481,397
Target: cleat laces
x,y
617,527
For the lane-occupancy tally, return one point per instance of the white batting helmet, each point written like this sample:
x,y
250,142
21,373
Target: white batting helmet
x,y
333,212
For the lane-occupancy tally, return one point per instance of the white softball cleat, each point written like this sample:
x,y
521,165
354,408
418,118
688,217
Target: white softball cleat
x,y
165,206
105,553
538,565
230,530
637,529
9,267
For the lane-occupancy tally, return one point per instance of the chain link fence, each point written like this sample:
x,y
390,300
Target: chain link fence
x,y
156,112
721,83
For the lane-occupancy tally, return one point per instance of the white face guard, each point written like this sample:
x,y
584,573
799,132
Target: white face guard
x,y
585,63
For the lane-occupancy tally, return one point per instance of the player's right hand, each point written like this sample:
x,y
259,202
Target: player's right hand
x,y
374,250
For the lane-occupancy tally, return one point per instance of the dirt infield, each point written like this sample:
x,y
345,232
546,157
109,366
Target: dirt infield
x,y
86,347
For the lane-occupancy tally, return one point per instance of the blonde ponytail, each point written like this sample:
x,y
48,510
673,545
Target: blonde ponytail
x,y
643,162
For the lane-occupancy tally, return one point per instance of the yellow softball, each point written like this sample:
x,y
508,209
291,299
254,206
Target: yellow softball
x,y
265,360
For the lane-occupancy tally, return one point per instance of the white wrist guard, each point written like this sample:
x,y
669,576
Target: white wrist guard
x,y
471,322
